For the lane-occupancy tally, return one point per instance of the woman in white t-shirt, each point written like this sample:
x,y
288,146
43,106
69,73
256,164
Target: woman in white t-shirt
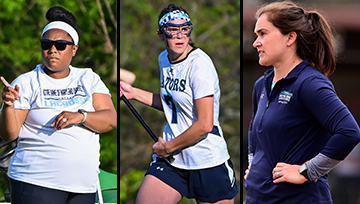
x,y
189,97
56,112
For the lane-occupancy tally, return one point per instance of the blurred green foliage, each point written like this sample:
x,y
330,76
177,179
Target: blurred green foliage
x,y
21,25
130,183
217,32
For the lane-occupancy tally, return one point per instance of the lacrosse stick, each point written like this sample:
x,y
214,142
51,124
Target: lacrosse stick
x,y
170,158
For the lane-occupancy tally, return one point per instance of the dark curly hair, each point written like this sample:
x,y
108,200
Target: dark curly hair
x,y
58,13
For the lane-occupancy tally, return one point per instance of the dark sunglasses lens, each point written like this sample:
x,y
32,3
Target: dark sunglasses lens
x,y
58,45
46,45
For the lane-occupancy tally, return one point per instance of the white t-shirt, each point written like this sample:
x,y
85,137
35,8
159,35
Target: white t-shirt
x,y
66,159
182,83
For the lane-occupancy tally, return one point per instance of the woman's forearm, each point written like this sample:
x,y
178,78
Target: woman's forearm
x,y
148,98
320,165
199,129
192,135
9,122
101,121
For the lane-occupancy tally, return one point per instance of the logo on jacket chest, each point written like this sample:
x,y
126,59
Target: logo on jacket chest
x,y
285,97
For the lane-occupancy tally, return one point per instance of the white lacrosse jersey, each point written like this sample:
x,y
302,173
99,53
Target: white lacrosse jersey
x,y
66,159
182,83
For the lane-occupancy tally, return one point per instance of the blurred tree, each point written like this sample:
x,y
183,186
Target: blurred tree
x,y
21,24
217,32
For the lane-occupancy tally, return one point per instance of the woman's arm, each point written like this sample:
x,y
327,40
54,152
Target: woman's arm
x,y
104,118
127,76
145,97
323,103
11,119
204,125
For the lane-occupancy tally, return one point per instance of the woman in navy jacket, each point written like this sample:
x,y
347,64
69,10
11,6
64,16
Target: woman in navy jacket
x,y
300,129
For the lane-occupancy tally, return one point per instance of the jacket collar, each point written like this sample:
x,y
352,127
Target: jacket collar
x,y
294,73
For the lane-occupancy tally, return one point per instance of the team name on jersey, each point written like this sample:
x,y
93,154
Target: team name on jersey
x,y
173,84
64,97
63,92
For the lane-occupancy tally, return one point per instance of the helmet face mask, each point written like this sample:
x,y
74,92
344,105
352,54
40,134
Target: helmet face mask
x,y
172,30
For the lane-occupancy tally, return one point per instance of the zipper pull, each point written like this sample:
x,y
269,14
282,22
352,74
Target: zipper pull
x,y
267,104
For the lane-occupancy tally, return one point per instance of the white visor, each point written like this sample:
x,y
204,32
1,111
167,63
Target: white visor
x,y
63,26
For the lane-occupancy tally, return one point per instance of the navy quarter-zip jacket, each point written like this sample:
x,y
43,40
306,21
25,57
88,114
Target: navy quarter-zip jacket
x,y
301,117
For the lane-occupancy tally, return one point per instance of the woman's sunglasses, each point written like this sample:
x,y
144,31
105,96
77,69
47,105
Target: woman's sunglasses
x,y
59,44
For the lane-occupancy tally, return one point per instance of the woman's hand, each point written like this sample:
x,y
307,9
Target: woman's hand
x,y
247,172
10,94
65,118
287,173
160,148
127,90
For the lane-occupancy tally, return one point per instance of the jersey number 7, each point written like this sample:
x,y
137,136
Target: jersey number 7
x,y
169,101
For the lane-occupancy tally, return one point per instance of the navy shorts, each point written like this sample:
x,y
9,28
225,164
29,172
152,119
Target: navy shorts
x,y
25,193
206,185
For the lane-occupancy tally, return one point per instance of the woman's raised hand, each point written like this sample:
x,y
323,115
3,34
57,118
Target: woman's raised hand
x,y
10,94
127,90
